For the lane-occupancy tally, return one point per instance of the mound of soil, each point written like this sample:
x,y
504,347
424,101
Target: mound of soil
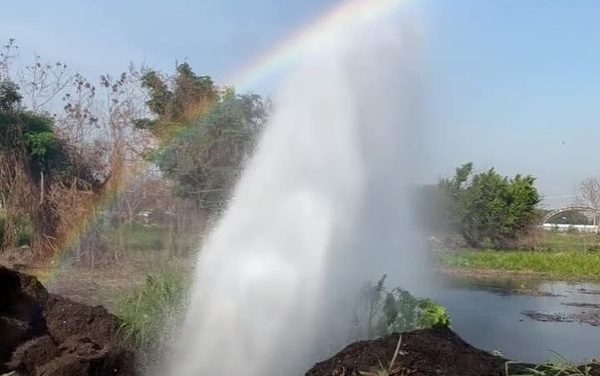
x,y
430,352
46,335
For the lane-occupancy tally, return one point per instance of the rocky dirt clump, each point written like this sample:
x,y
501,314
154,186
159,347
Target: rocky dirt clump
x,y
47,335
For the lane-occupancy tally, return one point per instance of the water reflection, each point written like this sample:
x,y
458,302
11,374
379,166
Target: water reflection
x,y
489,315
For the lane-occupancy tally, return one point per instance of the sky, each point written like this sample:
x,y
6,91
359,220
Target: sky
x,y
511,84
516,87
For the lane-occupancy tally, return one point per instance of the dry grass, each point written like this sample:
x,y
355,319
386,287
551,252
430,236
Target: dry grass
x,y
559,367
104,286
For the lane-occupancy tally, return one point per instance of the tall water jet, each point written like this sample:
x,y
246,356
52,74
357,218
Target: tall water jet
x,y
323,206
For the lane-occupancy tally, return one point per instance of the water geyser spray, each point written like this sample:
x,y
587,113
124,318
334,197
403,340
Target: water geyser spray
x,y
323,206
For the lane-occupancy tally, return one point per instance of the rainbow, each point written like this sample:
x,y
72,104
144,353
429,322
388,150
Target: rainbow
x,y
289,50
345,15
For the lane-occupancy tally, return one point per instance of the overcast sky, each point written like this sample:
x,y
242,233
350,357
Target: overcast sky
x,y
512,84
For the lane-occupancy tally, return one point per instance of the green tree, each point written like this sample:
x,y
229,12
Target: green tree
x,y
488,209
207,157
205,133
33,138
9,96
176,100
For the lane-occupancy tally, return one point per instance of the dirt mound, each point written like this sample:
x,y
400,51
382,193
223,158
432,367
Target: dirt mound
x,y
65,318
431,352
422,353
47,335
82,356
21,312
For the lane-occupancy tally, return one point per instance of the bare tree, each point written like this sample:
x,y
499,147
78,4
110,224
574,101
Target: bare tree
x,y
8,52
94,122
41,82
589,196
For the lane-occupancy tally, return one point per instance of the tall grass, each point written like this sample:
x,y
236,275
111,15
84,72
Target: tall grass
x,y
149,314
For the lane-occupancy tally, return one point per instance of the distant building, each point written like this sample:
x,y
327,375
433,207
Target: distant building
x,y
567,227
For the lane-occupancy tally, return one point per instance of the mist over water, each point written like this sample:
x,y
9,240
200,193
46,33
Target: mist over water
x,y
324,206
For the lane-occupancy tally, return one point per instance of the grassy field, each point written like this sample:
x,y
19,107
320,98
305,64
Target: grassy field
x,y
559,256
138,237
566,242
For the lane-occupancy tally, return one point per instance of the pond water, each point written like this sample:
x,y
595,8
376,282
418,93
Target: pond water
x,y
494,316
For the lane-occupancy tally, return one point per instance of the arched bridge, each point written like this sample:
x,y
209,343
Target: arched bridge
x,y
582,209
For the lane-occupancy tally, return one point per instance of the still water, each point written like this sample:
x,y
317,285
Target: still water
x,y
491,316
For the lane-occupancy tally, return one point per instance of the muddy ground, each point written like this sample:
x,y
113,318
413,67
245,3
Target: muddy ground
x,y
43,334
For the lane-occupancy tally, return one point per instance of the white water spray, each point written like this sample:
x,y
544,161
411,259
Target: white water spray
x,y
322,207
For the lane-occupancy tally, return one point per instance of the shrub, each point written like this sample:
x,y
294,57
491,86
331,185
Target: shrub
x,y
488,209
433,315
24,232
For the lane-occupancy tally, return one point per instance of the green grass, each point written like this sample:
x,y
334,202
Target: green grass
x,y
149,313
138,237
555,265
570,256
554,241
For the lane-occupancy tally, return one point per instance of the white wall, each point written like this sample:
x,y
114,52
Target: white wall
x,y
565,228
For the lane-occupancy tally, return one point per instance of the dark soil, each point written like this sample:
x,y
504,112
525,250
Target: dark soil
x,y
65,318
46,335
427,352
431,352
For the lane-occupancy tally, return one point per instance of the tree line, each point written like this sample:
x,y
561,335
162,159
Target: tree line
x,y
69,145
